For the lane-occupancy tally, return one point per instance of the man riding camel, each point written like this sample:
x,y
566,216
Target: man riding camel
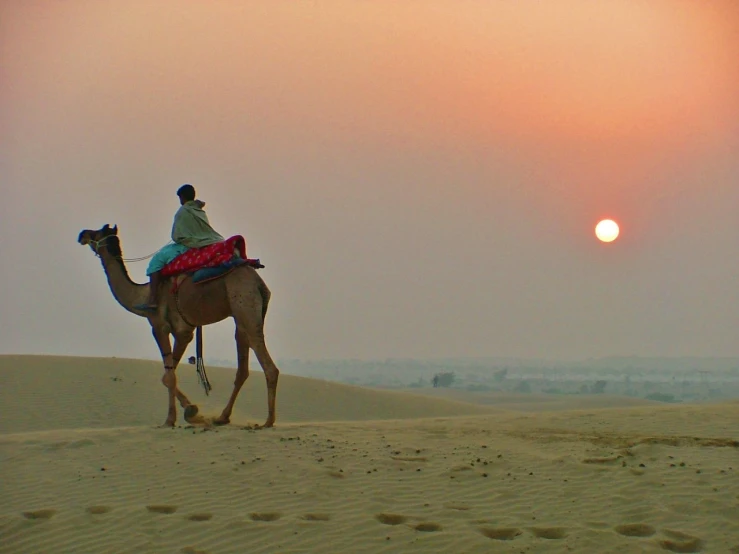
x,y
191,229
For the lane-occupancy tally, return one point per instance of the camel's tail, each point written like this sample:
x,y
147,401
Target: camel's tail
x,y
264,291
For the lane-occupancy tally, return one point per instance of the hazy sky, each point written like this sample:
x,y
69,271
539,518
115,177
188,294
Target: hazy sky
x,y
421,178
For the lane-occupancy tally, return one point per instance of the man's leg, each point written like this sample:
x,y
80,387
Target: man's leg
x,y
154,269
155,279
158,261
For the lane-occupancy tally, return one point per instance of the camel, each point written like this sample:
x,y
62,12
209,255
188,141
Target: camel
x,y
240,294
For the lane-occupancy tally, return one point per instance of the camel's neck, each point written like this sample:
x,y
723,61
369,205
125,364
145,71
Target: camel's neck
x,y
126,292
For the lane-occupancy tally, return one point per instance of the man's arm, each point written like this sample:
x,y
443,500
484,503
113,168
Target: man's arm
x,y
179,226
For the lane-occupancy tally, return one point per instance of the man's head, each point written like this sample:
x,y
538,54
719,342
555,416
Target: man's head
x,y
186,193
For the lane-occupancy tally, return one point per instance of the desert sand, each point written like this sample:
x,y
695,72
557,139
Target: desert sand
x,y
87,469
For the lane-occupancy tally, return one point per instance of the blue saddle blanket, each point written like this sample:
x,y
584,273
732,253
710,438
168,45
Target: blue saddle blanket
x,y
208,273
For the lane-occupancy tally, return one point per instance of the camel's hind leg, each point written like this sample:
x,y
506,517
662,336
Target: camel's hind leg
x,y
242,373
249,309
271,373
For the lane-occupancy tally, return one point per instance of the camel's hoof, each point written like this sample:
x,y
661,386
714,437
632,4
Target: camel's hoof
x,y
168,424
220,421
190,412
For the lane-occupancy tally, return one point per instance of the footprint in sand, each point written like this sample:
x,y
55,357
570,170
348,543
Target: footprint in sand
x,y
391,519
97,510
316,517
39,514
203,516
162,508
265,516
501,533
427,527
607,460
681,542
553,533
635,530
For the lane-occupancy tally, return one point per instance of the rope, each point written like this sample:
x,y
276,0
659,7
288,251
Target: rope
x,y
200,367
144,258
97,244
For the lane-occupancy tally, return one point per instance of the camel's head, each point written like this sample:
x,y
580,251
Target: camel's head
x,y
100,238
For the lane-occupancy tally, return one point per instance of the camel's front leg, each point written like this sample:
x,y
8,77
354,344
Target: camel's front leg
x,y
161,336
169,380
242,373
181,340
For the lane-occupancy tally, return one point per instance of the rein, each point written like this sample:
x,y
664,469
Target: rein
x,y
97,244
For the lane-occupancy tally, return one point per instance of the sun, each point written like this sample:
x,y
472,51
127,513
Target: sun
x,y
607,230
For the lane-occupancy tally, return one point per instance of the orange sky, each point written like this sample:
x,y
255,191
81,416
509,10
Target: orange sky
x,y
494,132
616,86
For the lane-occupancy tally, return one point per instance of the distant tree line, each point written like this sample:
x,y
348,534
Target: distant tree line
x,y
443,379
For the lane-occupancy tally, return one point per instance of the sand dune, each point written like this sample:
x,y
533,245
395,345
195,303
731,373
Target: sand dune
x,y
85,469
59,392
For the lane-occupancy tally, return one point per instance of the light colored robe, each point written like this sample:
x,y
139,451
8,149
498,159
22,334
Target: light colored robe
x,y
190,229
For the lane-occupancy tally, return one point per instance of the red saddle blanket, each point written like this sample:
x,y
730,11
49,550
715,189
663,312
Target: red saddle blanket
x,y
207,256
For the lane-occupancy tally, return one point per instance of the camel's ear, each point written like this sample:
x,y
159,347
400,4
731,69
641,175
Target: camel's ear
x,y
115,229
106,227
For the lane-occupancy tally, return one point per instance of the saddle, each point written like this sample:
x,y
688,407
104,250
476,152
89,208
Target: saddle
x,y
212,261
